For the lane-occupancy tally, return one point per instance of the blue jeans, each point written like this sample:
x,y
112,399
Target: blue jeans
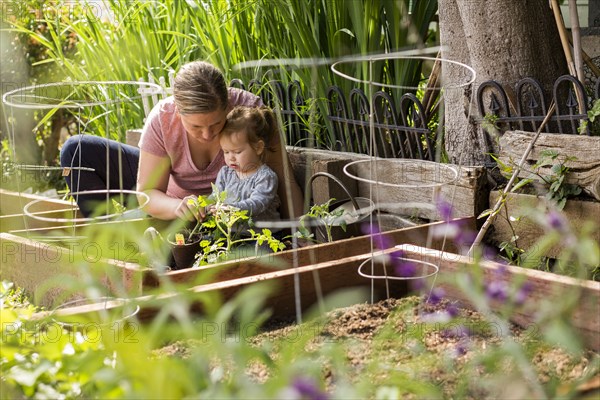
x,y
114,165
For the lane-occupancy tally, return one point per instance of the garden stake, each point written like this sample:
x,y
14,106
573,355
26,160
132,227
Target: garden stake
x,y
488,222
562,31
564,39
433,87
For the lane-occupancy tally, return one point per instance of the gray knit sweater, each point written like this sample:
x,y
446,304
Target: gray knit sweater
x,y
256,193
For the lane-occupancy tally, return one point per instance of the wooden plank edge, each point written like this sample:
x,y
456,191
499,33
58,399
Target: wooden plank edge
x,y
418,235
282,299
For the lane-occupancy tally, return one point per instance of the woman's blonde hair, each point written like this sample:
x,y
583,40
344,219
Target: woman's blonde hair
x,y
199,87
258,124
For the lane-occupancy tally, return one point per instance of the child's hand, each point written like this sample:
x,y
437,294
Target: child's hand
x,y
222,207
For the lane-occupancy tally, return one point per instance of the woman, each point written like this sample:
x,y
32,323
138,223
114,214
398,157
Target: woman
x,y
179,153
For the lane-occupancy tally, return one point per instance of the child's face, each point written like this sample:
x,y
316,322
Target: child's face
x,y
239,154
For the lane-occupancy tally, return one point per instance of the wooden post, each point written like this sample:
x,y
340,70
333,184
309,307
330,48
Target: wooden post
x,y
575,31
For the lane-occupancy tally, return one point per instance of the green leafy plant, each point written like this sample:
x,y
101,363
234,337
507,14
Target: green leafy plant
x,y
118,207
505,170
550,160
593,114
324,217
559,190
490,123
312,121
558,193
512,252
230,228
201,203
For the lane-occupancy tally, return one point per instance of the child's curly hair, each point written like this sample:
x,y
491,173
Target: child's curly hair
x,y
259,124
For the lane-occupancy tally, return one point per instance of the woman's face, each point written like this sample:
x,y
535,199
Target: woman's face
x,y
204,127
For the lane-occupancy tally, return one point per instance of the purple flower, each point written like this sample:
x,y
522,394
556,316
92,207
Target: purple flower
x,y
307,388
489,253
465,236
501,272
497,290
405,268
461,348
555,220
436,295
369,229
379,240
444,209
417,285
452,310
523,293
455,230
397,254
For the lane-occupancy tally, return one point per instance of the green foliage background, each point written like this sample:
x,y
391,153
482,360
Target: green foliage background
x,y
67,40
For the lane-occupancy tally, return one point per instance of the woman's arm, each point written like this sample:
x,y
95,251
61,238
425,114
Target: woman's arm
x,y
153,179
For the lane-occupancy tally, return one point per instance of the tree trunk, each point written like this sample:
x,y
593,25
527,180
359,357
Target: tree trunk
x,y
52,141
462,141
503,40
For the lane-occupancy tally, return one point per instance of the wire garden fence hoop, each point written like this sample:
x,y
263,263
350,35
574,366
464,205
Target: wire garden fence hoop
x,y
56,95
438,175
432,270
103,309
34,215
413,55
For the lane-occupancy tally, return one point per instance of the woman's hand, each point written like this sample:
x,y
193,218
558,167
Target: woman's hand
x,y
187,209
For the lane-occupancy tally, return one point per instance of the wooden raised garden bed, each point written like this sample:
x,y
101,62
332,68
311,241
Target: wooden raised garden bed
x,y
32,265
342,273
580,153
517,219
544,287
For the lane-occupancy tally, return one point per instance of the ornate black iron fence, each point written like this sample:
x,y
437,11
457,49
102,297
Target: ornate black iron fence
x,y
531,104
397,130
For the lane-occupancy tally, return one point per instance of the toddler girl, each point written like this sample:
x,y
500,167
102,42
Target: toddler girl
x,y
250,184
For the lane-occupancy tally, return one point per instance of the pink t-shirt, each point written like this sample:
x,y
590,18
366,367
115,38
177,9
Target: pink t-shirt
x,y
164,136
